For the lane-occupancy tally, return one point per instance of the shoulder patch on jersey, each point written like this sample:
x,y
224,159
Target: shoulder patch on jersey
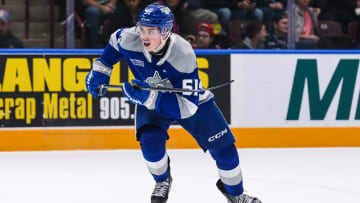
x,y
115,39
119,36
130,40
182,55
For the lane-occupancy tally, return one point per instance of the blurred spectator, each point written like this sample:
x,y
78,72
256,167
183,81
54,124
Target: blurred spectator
x,y
357,9
191,39
205,38
125,15
247,10
61,5
7,39
278,38
223,10
199,13
320,6
341,11
357,13
306,25
255,34
182,19
270,8
194,15
95,14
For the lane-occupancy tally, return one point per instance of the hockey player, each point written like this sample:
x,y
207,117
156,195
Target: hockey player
x,y
159,58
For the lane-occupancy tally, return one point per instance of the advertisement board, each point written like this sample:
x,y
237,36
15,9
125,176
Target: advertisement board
x,y
295,90
49,90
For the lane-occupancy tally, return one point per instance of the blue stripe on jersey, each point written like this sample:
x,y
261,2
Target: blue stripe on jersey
x,y
227,159
118,32
110,56
152,142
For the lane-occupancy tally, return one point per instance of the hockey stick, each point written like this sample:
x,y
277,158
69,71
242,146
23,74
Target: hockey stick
x,y
166,88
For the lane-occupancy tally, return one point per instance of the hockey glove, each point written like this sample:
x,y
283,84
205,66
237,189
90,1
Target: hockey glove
x,y
149,98
93,80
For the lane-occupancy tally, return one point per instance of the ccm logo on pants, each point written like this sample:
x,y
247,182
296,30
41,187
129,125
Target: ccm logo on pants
x,y
217,135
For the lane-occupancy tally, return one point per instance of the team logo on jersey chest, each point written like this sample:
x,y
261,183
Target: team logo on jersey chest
x,y
156,81
137,62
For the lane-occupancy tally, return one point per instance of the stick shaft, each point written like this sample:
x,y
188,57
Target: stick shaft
x,y
169,89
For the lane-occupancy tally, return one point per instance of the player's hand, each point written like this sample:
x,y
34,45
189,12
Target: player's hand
x,y
93,81
149,98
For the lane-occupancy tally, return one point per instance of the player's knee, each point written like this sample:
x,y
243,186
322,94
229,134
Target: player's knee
x,y
227,158
152,134
152,142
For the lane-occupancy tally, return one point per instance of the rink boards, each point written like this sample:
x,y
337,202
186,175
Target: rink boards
x,y
278,99
84,139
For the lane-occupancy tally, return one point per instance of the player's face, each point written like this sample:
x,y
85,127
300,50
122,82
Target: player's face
x,y
150,37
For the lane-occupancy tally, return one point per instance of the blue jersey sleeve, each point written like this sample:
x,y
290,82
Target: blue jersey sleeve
x,y
112,54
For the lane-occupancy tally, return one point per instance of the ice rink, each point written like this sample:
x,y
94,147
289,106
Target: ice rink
x,y
302,175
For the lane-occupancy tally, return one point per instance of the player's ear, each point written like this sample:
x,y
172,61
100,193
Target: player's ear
x,y
165,36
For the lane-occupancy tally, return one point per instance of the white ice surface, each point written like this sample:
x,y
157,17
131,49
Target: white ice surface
x,y
310,175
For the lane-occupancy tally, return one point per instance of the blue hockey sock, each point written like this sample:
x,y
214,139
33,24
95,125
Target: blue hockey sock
x,y
152,142
227,161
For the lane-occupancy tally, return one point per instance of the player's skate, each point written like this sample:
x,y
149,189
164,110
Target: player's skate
x,y
162,189
243,198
